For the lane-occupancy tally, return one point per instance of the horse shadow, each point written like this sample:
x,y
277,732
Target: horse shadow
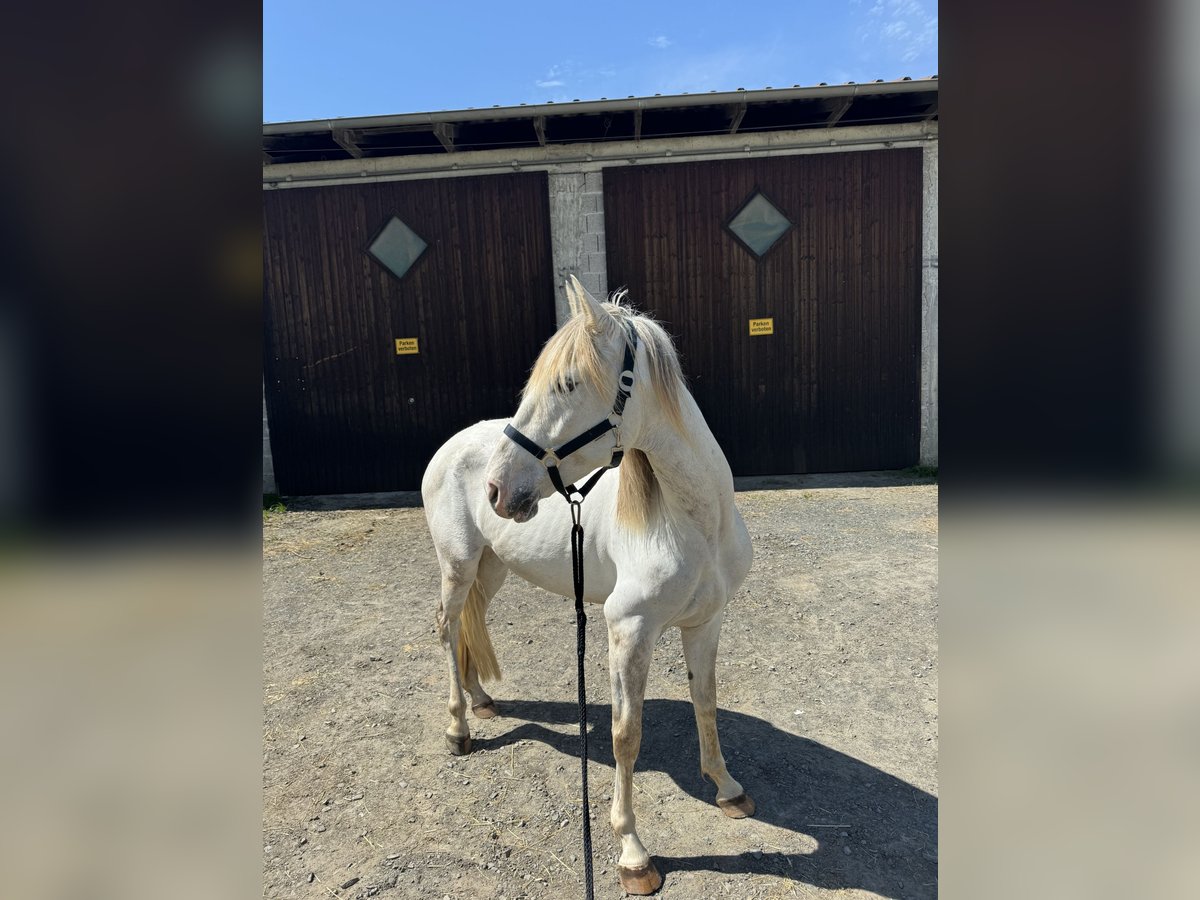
x,y
872,831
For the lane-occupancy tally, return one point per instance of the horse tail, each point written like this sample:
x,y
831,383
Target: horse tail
x,y
474,642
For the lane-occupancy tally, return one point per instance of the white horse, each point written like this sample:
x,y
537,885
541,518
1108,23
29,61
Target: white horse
x,y
665,543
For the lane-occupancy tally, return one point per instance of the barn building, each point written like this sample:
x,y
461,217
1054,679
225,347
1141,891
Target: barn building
x,y
413,266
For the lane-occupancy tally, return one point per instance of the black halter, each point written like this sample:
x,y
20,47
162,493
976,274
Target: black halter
x,y
552,458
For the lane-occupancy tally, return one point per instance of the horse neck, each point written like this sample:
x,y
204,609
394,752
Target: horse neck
x,y
692,473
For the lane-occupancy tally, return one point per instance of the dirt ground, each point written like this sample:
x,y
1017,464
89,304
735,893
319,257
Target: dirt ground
x,y
828,715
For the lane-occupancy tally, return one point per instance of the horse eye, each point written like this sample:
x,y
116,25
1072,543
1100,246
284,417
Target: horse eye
x,y
568,384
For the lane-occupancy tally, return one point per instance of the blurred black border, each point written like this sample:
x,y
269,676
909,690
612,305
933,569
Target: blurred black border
x,y
130,178
1051,125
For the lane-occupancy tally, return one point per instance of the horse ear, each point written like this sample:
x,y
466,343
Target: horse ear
x,y
573,297
583,302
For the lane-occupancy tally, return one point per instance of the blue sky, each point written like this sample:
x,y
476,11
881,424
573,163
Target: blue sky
x,y
370,57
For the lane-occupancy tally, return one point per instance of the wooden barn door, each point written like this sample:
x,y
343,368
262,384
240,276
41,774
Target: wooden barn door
x,y
348,412
834,387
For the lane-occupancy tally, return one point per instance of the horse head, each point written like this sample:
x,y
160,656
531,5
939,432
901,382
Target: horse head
x,y
570,392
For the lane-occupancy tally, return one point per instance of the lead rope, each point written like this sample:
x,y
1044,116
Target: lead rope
x,y
570,493
581,646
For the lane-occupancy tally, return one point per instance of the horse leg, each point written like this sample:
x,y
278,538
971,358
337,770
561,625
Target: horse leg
x,y
700,651
630,647
490,577
482,704
456,582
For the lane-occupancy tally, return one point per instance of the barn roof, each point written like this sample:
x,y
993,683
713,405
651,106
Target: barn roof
x,y
631,118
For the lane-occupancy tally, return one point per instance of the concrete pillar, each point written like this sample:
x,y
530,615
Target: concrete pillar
x,y
269,486
929,306
577,234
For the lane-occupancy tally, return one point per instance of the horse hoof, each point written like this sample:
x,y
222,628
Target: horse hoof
x,y
459,746
739,807
642,881
486,710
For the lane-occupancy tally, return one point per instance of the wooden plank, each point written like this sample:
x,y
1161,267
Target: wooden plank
x,y
838,111
835,387
539,128
736,114
347,413
347,140
446,134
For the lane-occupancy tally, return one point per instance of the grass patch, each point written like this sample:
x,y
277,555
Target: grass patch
x,y
272,503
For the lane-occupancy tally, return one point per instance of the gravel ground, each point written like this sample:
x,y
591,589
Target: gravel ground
x,y
828,716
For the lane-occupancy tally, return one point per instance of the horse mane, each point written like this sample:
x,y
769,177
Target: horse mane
x,y
572,349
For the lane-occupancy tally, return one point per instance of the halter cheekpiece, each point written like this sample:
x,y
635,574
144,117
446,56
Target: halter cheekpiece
x,y
552,458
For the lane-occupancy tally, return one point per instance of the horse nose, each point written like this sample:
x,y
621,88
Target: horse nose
x,y
493,493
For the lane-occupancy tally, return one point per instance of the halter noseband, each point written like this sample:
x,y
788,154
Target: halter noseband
x,y
552,458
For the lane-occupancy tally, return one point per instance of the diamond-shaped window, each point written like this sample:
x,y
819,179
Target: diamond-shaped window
x,y
397,246
758,224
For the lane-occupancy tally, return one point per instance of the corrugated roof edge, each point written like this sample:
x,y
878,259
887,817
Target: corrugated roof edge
x,y
593,107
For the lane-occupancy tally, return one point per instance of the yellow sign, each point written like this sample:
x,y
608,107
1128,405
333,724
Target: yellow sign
x,y
406,345
762,326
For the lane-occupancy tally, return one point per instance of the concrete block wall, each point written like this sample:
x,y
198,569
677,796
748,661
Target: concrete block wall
x,y
577,234
269,486
929,306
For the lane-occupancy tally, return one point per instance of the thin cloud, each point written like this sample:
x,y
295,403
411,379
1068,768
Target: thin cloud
x,y
722,69
570,78
898,30
662,42
551,79
922,41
